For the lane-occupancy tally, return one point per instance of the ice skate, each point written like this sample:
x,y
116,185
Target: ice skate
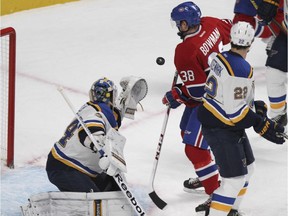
x,y
192,184
204,207
234,212
282,118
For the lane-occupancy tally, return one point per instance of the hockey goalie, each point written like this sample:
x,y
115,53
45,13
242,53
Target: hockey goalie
x,y
82,167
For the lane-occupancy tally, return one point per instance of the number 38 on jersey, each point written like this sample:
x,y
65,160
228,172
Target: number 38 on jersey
x,y
187,75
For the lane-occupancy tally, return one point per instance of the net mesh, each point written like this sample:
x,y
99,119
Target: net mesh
x,y
4,78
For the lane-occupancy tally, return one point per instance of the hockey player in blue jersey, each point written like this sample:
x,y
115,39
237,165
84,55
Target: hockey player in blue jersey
x,y
227,110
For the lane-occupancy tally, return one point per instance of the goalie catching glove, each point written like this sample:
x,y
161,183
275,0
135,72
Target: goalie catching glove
x,y
134,89
113,161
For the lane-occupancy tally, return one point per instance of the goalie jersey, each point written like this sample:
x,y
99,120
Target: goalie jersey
x,y
229,96
73,149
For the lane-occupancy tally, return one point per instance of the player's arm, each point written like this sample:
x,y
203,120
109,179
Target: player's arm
x,y
267,10
118,116
194,92
113,161
180,94
247,11
111,141
174,97
238,94
225,26
271,14
258,119
194,79
262,125
96,126
190,92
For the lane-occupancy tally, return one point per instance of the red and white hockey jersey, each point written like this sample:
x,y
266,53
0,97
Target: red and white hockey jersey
x,y
193,54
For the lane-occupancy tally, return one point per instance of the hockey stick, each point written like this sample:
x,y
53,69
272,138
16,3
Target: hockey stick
x,y
285,135
118,177
161,204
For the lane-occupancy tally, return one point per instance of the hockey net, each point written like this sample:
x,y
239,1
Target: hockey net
x,y
7,94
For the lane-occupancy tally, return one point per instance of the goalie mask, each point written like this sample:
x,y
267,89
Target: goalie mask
x,y
103,90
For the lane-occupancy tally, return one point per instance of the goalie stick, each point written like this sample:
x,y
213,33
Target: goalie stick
x,y
161,204
118,177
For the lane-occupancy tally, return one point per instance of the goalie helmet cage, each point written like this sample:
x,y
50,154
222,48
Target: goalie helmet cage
x,y
7,94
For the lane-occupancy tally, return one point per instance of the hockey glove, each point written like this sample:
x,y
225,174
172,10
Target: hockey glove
x,y
267,10
270,130
113,161
134,89
107,166
260,108
104,162
174,98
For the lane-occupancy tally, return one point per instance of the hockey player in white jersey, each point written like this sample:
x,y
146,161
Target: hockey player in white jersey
x,y
227,110
272,12
89,156
271,25
74,164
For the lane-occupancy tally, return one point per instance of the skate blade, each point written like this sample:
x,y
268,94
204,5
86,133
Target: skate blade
x,y
200,213
197,190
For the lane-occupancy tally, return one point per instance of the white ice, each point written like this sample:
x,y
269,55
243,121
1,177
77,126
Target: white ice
x,y
74,44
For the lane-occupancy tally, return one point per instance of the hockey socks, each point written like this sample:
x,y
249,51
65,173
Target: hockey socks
x,y
205,167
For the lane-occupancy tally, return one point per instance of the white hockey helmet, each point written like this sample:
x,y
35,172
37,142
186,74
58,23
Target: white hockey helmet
x,y
242,34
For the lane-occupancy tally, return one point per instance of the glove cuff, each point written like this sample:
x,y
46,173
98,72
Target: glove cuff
x,y
263,127
272,2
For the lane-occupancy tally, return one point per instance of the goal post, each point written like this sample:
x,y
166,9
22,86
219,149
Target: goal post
x,y
7,94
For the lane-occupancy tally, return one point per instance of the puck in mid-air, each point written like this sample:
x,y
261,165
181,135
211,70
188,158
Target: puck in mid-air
x,y
160,60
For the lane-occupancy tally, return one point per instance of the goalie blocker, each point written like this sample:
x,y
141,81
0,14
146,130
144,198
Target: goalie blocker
x,y
72,204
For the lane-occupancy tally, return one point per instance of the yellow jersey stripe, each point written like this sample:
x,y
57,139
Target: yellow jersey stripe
x,y
226,64
251,73
68,163
97,107
243,114
92,125
217,114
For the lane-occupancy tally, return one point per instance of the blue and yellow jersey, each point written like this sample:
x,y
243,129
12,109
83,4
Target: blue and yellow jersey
x,y
73,149
229,92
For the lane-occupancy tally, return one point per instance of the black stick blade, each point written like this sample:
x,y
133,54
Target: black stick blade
x,y
157,200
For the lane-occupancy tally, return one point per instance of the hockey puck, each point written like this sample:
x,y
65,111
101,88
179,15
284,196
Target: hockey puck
x,y
160,61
